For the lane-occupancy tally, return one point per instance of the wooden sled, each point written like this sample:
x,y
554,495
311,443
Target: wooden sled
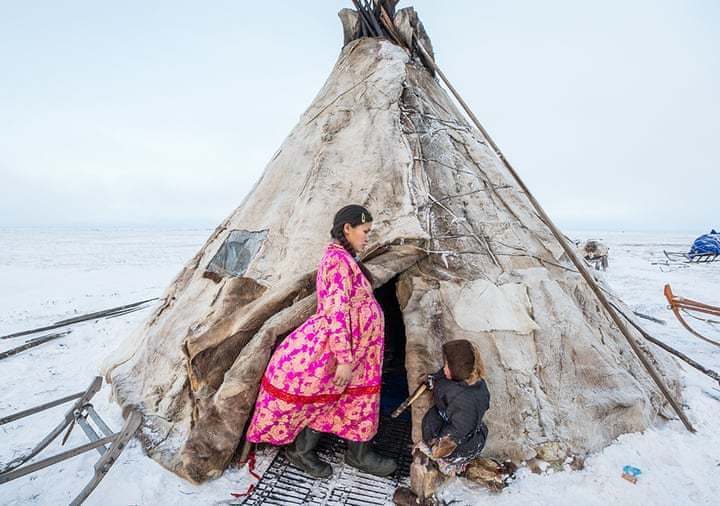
x,y
680,303
108,444
686,258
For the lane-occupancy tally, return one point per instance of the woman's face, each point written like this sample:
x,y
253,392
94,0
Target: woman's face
x,y
358,235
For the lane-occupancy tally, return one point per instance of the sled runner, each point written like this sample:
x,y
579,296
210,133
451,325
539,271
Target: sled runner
x,y
688,258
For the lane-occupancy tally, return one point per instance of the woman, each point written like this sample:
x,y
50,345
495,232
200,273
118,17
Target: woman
x,y
325,376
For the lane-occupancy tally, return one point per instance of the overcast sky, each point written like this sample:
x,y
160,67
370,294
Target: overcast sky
x,y
166,112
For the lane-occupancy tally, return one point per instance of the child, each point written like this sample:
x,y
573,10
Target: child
x,y
453,431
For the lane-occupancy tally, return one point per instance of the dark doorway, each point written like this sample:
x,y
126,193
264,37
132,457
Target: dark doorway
x,y
393,438
394,375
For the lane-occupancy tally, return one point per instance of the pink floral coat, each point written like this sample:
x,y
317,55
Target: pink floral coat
x,y
297,388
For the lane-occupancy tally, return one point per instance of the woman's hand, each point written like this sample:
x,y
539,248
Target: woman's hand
x,y
342,375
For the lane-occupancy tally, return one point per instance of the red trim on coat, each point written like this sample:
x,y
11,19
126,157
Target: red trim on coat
x,y
310,399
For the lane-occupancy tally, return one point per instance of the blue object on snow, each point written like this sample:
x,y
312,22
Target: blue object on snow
x,y
632,471
706,244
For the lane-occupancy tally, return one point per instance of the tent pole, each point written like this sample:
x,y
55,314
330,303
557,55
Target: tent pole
x,y
558,235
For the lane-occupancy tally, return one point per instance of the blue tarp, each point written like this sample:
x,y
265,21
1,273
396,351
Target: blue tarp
x,y
706,244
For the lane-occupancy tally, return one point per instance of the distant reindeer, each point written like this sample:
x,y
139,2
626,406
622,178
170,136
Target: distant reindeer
x,y
596,253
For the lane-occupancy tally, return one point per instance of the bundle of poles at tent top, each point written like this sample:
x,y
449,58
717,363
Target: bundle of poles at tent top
x,y
376,21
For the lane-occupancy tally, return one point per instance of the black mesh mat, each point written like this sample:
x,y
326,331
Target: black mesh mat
x,y
283,484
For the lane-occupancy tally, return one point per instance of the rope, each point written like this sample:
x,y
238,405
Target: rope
x,y
706,320
251,469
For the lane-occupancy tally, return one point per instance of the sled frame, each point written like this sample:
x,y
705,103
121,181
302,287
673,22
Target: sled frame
x,y
108,444
686,258
676,304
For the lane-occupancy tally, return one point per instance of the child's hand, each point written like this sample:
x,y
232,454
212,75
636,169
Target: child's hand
x,y
430,381
342,375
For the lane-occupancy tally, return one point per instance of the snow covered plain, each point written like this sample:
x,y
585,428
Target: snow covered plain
x,y
50,275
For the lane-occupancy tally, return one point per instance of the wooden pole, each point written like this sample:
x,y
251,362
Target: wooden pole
x,y
708,372
32,343
559,237
102,466
648,317
67,420
37,409
247,447
407,402
36,466
90,316
364,18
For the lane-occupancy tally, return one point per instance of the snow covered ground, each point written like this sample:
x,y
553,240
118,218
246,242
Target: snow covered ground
x,y
49,275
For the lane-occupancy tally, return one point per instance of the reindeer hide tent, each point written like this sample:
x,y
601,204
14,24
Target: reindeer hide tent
x,y
456,239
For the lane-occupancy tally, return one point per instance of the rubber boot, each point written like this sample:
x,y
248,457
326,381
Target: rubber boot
x,y
301,453
361,456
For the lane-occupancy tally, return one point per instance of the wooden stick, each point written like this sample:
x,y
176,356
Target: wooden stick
x,y
98,421
103,465
364,18
123,312
247,447
688,312
36,466
68,419
709,372
714,312
103,313
389,25
90,433
78,319
387,22
407,402
32,343
650,318
695,306
373,20
566,248
700,309
37,409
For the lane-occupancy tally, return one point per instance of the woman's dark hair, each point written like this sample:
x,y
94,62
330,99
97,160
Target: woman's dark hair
x,y
353,215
